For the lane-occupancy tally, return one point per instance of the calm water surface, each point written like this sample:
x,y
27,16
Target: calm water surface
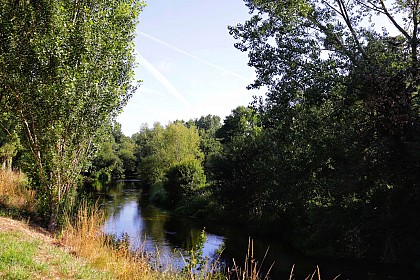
x,y
159,233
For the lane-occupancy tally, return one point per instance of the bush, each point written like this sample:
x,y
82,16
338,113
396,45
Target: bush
x,y
182,179
200,205
157,193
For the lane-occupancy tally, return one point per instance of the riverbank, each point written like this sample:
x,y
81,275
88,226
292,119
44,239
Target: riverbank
x,y
81,250
29,252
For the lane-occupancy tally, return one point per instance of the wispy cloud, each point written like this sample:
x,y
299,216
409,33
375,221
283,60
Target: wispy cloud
x,y
192,56
162,79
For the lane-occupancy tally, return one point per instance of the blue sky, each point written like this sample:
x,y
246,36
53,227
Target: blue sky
x,y
188,63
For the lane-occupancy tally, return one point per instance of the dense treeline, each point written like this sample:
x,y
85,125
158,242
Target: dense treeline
x,y
336,159
330,157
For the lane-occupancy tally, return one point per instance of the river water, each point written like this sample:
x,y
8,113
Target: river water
x,y
171,238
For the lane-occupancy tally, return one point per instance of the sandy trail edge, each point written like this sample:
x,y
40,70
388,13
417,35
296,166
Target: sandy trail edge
x,y
10,225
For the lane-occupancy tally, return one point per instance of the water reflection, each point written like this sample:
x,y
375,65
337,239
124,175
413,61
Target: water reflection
x,y
152,228
166,236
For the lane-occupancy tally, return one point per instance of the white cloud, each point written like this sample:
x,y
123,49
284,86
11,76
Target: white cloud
x,y
162,80
192,56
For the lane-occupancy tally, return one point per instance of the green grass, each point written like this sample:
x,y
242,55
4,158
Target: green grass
x,y
23,257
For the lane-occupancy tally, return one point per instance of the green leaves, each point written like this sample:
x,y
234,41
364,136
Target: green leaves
x,y
66,70
162,148
337,124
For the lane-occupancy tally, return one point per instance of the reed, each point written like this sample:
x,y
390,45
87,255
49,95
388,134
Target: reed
x,y
84,236
14,191
251,269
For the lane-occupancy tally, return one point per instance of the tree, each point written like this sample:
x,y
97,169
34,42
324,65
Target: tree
x,y
160,148
340,118
9,140
105,163
240,123
322,39
124,149
65,71
241,168
126,154
182,179
207,127
179,144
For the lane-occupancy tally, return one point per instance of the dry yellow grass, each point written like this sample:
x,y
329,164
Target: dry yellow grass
x,y
14,191
83,237
86,239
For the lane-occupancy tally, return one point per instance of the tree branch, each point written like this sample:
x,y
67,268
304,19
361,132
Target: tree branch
x,y
350,26
391,18
332,7
372,6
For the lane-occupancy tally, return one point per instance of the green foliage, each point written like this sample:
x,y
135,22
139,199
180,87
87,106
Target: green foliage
x,y
9,148
106,164
210,145
158,194
179,144
126,154
65,79
330,153
183,179
242,168
202,205
160,148
10,143
242,122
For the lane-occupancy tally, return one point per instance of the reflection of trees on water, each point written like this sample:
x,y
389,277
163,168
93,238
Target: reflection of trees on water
x,y
182,234
154,222
129,212
112,197
137,217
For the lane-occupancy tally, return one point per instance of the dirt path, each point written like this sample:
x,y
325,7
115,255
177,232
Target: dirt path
x,y
30,252
9,225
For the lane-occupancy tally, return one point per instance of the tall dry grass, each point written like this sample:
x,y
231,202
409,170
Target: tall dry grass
x,y
14,191
251,269
84,236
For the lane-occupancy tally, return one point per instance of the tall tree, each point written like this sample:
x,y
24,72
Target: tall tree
x,y
162,147
341,115
66,68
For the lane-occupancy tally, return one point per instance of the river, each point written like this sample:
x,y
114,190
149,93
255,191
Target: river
x,y
159,233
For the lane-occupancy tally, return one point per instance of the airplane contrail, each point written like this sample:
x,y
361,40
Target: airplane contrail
x,y
162,79
192,56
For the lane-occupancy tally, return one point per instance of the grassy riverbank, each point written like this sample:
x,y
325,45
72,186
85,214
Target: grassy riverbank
x,y
81,250
31,253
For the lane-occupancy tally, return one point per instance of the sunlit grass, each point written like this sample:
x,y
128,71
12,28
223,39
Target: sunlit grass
x,y
25,257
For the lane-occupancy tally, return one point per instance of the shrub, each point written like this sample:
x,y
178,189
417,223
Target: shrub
x,y
157,193
182,179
